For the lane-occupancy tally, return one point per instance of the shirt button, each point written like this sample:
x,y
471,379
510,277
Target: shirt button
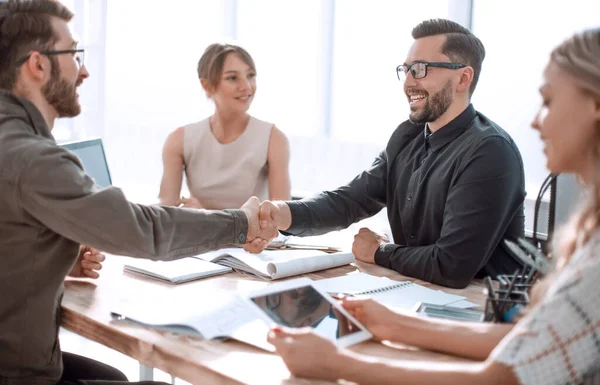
x,y
409,198
423,161
242,238
412,236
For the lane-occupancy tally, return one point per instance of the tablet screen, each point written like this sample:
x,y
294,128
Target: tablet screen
x,y
304,306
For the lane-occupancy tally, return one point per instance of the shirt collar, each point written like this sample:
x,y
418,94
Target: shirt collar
x,y
426,135
14,107
450,131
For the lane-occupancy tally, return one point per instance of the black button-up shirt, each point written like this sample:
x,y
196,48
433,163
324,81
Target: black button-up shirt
x,y
451,197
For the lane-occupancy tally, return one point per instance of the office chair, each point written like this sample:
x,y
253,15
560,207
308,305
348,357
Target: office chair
x,y
529,253
544,223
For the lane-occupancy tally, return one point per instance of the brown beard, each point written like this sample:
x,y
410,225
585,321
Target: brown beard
x,y
435,107
60,94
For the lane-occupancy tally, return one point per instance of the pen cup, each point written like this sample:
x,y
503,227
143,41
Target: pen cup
x,y
496,308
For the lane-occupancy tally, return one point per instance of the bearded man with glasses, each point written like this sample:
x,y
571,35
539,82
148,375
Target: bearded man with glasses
x,y
50,208
452,180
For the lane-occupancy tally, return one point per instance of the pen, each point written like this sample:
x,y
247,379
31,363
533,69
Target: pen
x,y
511,286
540,260
522,275
531,249
529,276
492,297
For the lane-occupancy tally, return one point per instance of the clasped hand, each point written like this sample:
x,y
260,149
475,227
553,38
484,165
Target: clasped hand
x,y
262,224
366,243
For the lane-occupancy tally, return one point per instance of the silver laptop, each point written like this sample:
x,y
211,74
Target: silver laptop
x,y
92,156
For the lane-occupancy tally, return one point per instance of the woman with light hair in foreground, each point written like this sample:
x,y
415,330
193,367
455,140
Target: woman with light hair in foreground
x,y
557,341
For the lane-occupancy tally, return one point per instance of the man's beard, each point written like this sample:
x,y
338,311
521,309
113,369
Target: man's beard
x,y
61,95
435,107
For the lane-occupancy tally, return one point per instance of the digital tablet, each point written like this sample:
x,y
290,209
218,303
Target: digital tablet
x,y
297,303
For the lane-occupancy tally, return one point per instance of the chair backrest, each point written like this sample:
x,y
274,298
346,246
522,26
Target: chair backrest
x,y
543,220
564,192
569,192
92,156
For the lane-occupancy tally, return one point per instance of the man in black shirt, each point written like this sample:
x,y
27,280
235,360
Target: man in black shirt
x,y
452,179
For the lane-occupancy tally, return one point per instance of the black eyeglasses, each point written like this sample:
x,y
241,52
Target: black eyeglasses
x,y
78,54
418,69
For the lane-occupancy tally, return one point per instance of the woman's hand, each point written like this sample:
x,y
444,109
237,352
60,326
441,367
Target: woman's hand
x,y
306,354
381,321
190,203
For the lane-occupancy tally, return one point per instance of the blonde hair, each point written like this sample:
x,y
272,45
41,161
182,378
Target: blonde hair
x,y
579,56
210,65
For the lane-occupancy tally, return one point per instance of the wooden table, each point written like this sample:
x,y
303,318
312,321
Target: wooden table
x,y
86,311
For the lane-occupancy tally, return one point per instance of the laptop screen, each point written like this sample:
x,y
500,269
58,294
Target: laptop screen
x,y
91,154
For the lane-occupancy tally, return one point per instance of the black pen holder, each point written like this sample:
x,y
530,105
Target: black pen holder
x,y
500,308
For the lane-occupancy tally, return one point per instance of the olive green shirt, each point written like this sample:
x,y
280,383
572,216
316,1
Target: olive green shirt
x,y
48,207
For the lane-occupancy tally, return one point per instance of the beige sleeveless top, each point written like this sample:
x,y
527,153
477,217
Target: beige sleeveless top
x,y
224,176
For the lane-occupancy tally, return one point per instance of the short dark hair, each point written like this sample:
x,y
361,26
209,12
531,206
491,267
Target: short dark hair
x,y
461,45
210,65
25,26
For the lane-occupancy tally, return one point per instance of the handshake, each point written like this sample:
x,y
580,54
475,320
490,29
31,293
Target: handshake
x,y
266,218
264,221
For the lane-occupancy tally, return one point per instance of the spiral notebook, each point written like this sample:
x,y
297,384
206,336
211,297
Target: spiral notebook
x,y
401,295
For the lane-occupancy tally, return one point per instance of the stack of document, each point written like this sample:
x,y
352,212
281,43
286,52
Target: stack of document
x,y
218,315
398,295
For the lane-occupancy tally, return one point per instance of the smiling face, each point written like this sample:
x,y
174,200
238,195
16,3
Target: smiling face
x,y
237,85
430,97
66,75
567,122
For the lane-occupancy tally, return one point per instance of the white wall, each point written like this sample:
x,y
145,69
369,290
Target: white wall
x,y
152,87
371,39
519,36
326,74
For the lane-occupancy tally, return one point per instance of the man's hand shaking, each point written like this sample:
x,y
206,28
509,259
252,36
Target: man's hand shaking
x,y
262,224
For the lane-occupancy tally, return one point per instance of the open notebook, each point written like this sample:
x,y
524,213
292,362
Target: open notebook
x,y
177,271
398,295
276,264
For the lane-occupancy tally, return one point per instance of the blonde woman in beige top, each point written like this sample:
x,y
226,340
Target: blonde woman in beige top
x,y
231,155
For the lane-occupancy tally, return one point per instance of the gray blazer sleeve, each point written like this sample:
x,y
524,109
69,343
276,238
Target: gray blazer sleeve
x,y
54,190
